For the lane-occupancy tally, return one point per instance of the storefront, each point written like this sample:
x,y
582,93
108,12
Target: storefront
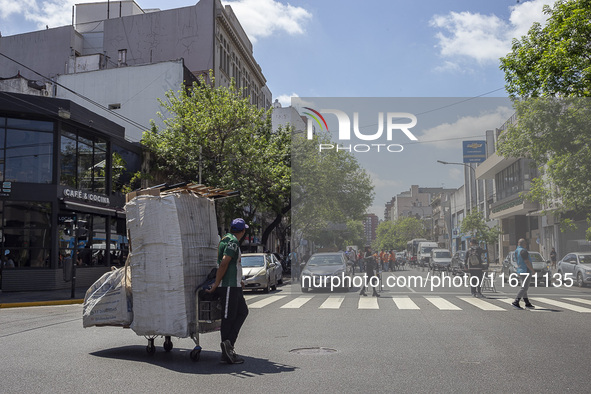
x,y
60,165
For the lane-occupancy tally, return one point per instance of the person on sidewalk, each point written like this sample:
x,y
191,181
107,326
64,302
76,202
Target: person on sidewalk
x,y
370,271
475,268
228,285
524,270
553,258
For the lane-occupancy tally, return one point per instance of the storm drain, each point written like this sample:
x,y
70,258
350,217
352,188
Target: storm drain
x,y
313,350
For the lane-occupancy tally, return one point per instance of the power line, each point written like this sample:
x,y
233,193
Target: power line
x,y
122,117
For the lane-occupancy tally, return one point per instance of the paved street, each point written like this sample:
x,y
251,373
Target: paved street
x,y
408,340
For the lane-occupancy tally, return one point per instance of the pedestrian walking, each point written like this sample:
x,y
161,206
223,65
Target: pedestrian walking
x,y
553,258
524,270
228,284
370,271
475,268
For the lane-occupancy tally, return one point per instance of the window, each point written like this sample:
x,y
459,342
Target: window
x,y
26,232
122,56
83,162
26,150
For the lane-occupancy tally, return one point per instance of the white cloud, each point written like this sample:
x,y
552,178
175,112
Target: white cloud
x,y
446,135
262,18
259,18
51,13
484,38
285,99
380,183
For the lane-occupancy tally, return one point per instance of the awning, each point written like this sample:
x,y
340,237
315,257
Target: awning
x,y
79,206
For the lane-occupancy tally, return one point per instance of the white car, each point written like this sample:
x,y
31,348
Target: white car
x,y
259,272
440,260
577,266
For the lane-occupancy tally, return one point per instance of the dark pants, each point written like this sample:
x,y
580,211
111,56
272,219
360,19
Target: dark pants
x,y
476,288
234,313
524,280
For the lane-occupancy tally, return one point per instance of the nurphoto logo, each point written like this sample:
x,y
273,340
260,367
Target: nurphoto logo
x,y
394,122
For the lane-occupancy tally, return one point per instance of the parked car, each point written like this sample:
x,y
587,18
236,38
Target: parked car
x,y
540,266
259,272
321,267
440,260
278,267
458,264
578,265
285,266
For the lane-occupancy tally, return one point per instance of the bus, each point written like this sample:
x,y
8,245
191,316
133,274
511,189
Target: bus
x,y
411,250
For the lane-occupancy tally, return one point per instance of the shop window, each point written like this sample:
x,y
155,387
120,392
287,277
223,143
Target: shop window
x,y
26,151
83,163
26,232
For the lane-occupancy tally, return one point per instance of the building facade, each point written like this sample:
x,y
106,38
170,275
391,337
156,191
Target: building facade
x,y
60,164
107,35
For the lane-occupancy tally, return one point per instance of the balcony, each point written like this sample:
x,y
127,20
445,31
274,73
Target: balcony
x,y
493,165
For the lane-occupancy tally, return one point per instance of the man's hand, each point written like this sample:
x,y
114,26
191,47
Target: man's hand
x,y
212,288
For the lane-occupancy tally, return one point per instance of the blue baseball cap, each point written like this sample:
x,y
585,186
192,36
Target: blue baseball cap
x,y
238,224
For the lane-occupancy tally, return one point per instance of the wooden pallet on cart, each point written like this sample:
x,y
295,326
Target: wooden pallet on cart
x,y
196,188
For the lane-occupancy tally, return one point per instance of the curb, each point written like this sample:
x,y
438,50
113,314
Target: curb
x,y
40,303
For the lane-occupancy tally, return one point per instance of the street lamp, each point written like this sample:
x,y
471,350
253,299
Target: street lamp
x,y
473,173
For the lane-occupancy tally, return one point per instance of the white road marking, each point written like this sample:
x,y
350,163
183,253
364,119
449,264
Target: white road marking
x,y
265,301
442,304
405,303
297,303
332,303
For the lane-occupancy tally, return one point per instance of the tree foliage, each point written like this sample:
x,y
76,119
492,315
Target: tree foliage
x,y
330,193
214,135
554,59
474,224
393,235
548,74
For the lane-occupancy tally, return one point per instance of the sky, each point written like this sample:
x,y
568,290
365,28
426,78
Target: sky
x,y
369,49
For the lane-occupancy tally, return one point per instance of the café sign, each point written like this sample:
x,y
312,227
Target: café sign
x,y
86,196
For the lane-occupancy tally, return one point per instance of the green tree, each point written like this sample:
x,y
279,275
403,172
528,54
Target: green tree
x,y
552,60
393,235
215,136
548,74
475,225
330,192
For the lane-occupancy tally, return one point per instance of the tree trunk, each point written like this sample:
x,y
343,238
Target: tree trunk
x,y
274,224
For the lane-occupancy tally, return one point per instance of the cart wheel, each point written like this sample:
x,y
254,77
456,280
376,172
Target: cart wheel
x,y
195,353
151,349
167,344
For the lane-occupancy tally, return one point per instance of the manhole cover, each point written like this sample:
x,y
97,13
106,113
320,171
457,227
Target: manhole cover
x,y
313,350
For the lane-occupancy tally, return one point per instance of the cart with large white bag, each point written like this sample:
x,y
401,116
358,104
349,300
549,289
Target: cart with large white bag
x,y
173,240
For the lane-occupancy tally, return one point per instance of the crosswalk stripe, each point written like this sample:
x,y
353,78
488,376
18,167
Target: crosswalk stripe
x,y
510,301
405,303
297,303
332,303
265,301
368,303
250,297
481,304
581,300
443,304
564,305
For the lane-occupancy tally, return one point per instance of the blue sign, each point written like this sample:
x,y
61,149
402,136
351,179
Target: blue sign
x,y
474,151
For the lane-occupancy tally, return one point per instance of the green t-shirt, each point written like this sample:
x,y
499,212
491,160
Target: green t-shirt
x,y
229,246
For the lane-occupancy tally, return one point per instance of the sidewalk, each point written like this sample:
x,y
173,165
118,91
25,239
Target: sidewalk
x,y
19,299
